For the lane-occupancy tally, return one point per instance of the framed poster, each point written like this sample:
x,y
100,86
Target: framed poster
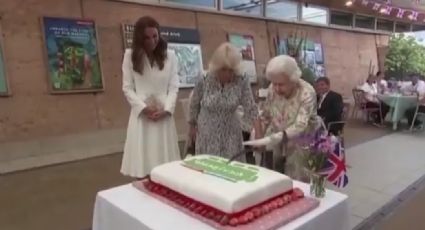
x,y
190,66
185,43
72,55
245,43
127,33
4,86
318,53
310,54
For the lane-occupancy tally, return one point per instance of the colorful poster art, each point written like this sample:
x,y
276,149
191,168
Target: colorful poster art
x,y
4,89
185,43
318,53
310,54
246,45
72,55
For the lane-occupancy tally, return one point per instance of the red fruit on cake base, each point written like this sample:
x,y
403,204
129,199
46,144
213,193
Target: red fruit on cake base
x,y
257,212
265,209
234,221
224,220
242,220
280,202
249,215
299,193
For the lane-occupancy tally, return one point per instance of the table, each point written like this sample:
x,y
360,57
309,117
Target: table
x,y
125,207
399,104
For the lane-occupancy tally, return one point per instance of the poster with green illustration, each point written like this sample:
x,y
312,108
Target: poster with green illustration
x,y
72,55
3,80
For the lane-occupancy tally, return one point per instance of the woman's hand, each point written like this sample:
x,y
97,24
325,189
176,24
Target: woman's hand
x,y
148,111
158,115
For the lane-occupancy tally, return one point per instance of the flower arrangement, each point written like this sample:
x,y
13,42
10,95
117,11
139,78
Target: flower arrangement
x,y
320,149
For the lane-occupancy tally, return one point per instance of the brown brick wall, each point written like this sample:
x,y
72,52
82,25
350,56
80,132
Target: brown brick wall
x,y
32,113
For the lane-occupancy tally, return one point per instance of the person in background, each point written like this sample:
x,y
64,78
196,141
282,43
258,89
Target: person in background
x,y
382,84
150,85
214,122
290,108
370,91
417,85
329,105
417,88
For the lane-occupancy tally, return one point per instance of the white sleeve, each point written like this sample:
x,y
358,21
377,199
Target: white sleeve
x,y
421,90
173,84
128,86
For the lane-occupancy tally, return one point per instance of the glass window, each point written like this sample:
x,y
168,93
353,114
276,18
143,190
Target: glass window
x,y
202,3
402,27
341,18
244,6
385,25
314,14
283,9
418,27
365,22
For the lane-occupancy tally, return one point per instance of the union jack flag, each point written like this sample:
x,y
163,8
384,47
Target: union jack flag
x,y
335,168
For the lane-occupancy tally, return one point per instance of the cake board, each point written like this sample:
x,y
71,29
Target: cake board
x,y
273,220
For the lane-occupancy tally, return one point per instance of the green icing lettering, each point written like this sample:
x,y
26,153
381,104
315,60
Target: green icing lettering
x,y
234,172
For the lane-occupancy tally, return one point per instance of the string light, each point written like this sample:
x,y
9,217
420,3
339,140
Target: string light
x,y
348,3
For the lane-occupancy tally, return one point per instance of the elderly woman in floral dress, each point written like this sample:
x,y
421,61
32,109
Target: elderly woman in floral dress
x,y
290,108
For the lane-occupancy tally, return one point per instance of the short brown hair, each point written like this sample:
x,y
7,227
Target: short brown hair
x,y
324,79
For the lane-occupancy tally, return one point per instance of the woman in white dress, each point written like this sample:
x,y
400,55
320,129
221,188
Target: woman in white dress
x,y
150,84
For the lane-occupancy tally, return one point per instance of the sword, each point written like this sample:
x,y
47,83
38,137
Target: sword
x,y
244,151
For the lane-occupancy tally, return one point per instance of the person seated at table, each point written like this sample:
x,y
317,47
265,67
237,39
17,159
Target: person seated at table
x,y
329,105
381,83
370,92
417,85
417,88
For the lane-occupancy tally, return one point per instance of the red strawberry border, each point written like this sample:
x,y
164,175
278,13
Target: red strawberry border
x,y
224,219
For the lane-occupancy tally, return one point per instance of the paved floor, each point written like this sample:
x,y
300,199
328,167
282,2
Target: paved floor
x,y
409,215
62,196
380,170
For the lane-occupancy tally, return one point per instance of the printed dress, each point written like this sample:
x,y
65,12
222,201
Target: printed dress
x,y
296,116
213,110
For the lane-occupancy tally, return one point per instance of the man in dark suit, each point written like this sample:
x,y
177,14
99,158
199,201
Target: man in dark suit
x,y
329,105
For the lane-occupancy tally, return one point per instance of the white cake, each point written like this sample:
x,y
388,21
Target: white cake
x,y
230,188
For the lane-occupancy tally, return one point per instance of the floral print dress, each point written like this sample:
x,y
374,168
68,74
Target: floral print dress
x,y
213,110
296,116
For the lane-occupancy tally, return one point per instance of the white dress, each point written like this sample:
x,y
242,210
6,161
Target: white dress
x,y
149,143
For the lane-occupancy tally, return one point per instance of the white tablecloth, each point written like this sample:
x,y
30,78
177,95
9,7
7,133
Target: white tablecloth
x,y
126,208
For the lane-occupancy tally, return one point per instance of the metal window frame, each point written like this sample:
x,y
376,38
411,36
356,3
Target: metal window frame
x,y
241,13
345,12
263,15
367,16
315,6
176,4
296,3
376,27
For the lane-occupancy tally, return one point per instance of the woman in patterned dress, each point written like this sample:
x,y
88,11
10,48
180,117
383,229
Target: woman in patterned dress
x,y
214,123
290,108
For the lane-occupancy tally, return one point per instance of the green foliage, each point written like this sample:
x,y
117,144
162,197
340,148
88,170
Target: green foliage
x,y
404,56
308,75
296,45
